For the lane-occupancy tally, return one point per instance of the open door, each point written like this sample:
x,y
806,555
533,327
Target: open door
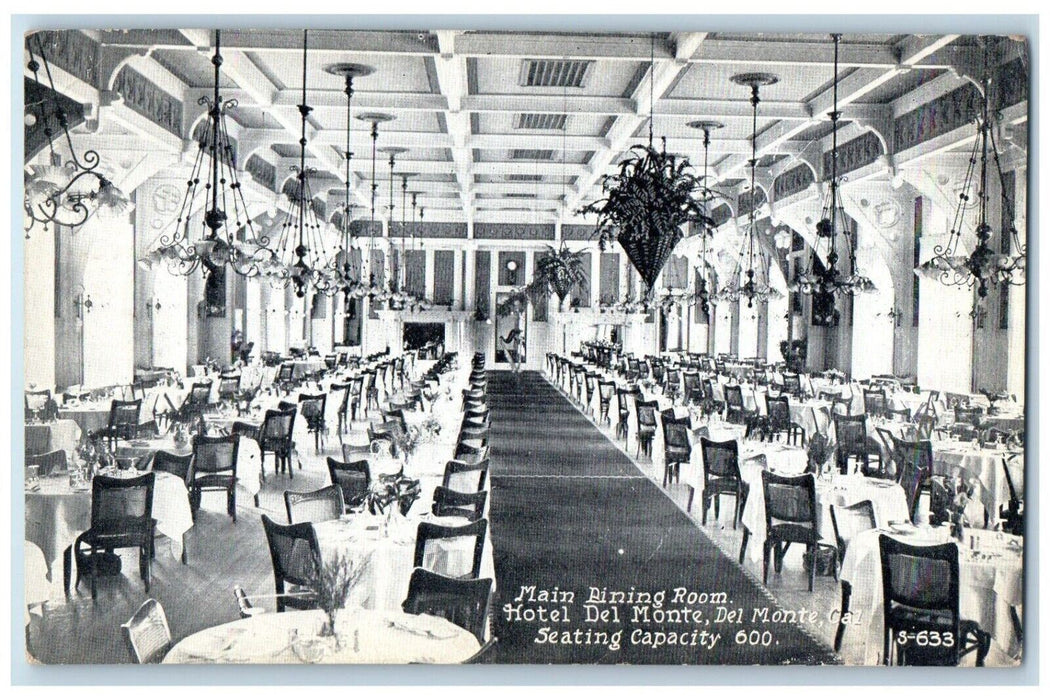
x,y
502,328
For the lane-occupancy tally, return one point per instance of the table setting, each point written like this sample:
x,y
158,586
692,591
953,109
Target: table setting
x,y
384,546
361,636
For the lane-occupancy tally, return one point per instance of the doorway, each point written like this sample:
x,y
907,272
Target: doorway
x,y
515,318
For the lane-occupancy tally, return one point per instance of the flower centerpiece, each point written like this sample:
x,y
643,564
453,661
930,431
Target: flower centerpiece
x,y
333,580
390,489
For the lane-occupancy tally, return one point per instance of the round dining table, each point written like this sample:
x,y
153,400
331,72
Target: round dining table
x,y
362,637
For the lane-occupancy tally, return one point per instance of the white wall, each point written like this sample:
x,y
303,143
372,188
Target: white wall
x,y
39,309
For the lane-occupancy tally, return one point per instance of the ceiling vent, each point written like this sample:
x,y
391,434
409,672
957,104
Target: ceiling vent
x,y
546,122
556,73
523,177
519,195
532,154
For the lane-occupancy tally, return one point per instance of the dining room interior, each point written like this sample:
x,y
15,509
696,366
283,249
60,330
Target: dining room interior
x,y
357,346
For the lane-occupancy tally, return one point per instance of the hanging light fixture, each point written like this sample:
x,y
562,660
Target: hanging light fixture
x,y
983,267
752,283
702,295
219,244
387,291
303,255
370,288
823,281
342,272
63,192
646,203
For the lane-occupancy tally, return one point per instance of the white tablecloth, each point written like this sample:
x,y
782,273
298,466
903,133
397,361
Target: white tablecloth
x,y
983,464
990,582
366,637
56,513
387,550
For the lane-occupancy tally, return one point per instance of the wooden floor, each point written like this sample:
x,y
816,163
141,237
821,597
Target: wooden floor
x,y
195,595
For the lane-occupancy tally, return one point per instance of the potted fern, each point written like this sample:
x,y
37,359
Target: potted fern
x,y
646,205
557,271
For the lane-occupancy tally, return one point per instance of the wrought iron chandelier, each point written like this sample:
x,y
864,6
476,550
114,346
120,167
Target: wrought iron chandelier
x,y
304,259
366,284
752,283
702,294
238,247
984,267
63,192
342,272
824,282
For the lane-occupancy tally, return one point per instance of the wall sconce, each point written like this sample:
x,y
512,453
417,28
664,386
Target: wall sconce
x,y
895,315
978,314
82,303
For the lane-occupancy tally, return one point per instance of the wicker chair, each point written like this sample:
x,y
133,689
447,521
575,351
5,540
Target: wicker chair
x,y
920,593
430,532
464,603
295,556
314,506
147,633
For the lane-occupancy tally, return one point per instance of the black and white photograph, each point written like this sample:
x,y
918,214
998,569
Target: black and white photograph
x,y
364,346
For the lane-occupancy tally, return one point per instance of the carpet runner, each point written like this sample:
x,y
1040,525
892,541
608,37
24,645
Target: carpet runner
x,y
595,564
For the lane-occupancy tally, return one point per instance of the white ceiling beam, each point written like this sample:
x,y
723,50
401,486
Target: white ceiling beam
x,y
452,80
657,79
850,89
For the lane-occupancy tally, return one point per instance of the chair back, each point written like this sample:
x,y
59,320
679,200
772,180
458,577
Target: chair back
x,y
793,384
212,455
438,560
914,463
124,415
397,415
734,396
470,453
970,415
465,477
147,633
605,392
455,503
721,459
646,413
344,402
875,402
779,411
286,373
676,431
850,433
464,603
314,506
311,407
791,501
850,521
294,553
179,465
37,401
229,384
353,479
921,583
277,428
199,393
122,506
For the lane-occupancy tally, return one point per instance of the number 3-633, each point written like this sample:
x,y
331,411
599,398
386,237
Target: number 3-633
x,y
926,638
